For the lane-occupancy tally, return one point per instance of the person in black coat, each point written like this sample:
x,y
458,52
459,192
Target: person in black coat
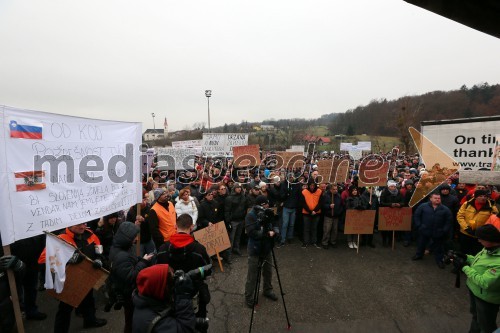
x,y
433,221
159,305
333,208
355,201
290,195
207,214
125,266
147,243
390,197
183,252
28,250
261,229
7,317
235,212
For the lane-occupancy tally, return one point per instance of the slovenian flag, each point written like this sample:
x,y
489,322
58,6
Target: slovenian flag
x,y
30,181
26,131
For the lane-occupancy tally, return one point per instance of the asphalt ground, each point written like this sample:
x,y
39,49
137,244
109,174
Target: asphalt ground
x,y
334,290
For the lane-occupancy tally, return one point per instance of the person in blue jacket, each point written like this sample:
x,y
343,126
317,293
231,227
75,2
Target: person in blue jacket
x,y
433,221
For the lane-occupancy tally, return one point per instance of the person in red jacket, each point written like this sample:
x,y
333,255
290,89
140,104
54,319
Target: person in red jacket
x,y
311,211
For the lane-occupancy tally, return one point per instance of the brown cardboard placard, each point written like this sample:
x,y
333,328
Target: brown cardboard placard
x,y
245,156
373,172
359,222
397,219
286,159
214,238
80,279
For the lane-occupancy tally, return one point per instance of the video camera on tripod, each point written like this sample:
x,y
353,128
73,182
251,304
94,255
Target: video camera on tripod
x,y
265,218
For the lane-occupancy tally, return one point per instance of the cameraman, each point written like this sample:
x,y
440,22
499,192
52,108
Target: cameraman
x,y
162,305
183,252
261,228
483,280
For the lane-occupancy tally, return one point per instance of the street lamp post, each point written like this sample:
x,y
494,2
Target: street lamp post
x,y
208,94
153,115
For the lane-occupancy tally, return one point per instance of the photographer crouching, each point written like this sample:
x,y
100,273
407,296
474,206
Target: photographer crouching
x,y
483,280
261,228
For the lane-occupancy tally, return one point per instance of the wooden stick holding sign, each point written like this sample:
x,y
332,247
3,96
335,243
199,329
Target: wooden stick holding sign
x,y
359,222
215,240
138,244
394,219
13,294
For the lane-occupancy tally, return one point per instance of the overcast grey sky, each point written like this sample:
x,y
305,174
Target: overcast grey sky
x,y
123,60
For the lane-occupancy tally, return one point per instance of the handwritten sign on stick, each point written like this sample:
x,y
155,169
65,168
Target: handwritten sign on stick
x,y
214,238
80,279
245,156
398,219
359,222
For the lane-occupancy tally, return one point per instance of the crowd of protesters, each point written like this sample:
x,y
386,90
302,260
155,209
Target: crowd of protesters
x,y
307,209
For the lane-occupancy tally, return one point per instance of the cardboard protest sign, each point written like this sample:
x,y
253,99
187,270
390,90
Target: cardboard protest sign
x,y
289,160
245,156
496,155
59,171
342,171
80,279
324,168
214,238
398,219
359,222
373,171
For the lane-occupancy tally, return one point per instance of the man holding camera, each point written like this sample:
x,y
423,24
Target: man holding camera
x,y
261,228
183,252
483,280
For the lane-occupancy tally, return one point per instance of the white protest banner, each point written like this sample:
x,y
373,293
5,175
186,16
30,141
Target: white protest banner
x,y
296,148
345,146
176,158
364,145
221,144
356,154
193,144
58,171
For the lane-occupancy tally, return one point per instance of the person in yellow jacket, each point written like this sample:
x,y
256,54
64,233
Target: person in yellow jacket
x,y
472,215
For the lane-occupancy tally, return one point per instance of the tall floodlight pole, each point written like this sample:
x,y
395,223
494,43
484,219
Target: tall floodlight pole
x,y
153,115
208,93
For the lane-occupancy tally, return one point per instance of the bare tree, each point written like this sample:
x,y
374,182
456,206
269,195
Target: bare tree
x,y
407,116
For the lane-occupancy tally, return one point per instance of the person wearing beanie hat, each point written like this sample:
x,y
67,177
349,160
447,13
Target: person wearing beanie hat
x,y
390,197
259,248
473,214
483,280
162,304
125,266
162,217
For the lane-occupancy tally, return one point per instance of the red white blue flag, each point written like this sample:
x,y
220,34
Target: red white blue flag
x,y
25,131
30,181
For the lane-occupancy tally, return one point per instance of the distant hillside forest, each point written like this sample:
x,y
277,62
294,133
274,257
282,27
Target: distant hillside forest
x,y
383,117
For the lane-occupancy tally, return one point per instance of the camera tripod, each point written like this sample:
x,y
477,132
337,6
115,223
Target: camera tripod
x,y
261,264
